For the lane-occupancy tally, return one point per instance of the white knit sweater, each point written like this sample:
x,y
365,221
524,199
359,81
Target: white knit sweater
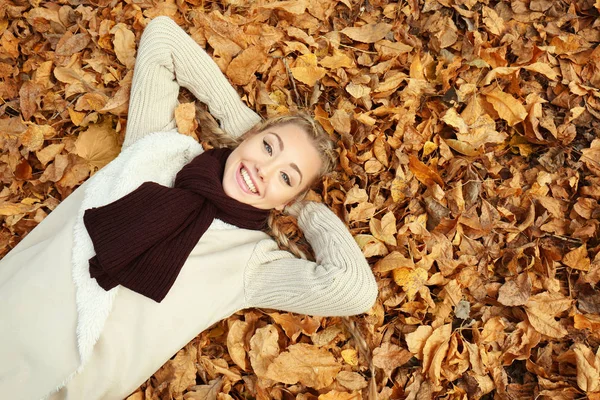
x,y
123,337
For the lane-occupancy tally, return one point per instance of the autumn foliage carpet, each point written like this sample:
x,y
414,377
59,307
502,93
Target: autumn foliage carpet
x,y
469,138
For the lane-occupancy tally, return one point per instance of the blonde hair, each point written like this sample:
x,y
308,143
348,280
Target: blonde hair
x,y
281,227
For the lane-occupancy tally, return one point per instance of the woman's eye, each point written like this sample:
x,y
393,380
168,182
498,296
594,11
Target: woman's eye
x,y
268,147
286,178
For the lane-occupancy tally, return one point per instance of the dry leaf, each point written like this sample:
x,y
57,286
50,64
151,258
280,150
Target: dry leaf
x,y
541,310
309,365
98,145
578,259
235,343
509,108
264,348
369,33
124,44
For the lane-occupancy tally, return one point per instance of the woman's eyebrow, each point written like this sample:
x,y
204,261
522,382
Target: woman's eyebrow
x,y
279,140
281,147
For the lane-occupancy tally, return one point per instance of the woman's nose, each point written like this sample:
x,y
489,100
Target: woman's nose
x,y
264,171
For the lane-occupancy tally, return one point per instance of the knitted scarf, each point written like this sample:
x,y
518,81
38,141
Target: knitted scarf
x,y
143,239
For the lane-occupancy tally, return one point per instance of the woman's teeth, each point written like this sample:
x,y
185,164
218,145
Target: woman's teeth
x,y
247,179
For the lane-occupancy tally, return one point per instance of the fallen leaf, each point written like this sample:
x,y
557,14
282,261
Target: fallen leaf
x,y
264,348
98,145
369,33
124,44
309,365
509,108
541,310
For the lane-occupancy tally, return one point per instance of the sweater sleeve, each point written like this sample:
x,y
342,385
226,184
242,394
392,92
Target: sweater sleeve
x,y
339,283
167,59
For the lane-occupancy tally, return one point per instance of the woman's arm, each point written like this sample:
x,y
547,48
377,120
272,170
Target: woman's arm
x,y
167,59
339,283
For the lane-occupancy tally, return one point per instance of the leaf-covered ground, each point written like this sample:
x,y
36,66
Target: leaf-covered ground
x,y
469,138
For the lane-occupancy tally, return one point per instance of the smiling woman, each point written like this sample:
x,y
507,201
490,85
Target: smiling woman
x,y
168,239
272,167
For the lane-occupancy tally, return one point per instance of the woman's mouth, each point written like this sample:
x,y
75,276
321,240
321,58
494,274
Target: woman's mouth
x,y
248,184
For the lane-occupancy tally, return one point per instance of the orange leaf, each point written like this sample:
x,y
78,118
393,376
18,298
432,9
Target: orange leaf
x,y
423,173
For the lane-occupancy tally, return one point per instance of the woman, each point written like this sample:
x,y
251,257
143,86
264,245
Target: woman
x,y
76,328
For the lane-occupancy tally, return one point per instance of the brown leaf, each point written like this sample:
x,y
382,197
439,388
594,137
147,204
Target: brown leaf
x,y
124,44
292,6
435,350
369,33
242,68
98,145
389,356
294,325
72,43
337,395
509,108
309,365
204,392
48,153
351,380
264,348
28,98
370,246
541,310
180,372
235,343
33,138
423,173
588,368
515,292
578,259
185,118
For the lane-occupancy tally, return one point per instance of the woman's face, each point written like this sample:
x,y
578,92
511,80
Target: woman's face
x,y
271,167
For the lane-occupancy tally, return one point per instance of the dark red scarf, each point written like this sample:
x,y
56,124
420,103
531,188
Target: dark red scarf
x,y
143,239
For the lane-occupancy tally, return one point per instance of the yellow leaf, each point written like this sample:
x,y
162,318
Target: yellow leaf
x,y
350,356
306,70
337,60
508,108
411,280
98,145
